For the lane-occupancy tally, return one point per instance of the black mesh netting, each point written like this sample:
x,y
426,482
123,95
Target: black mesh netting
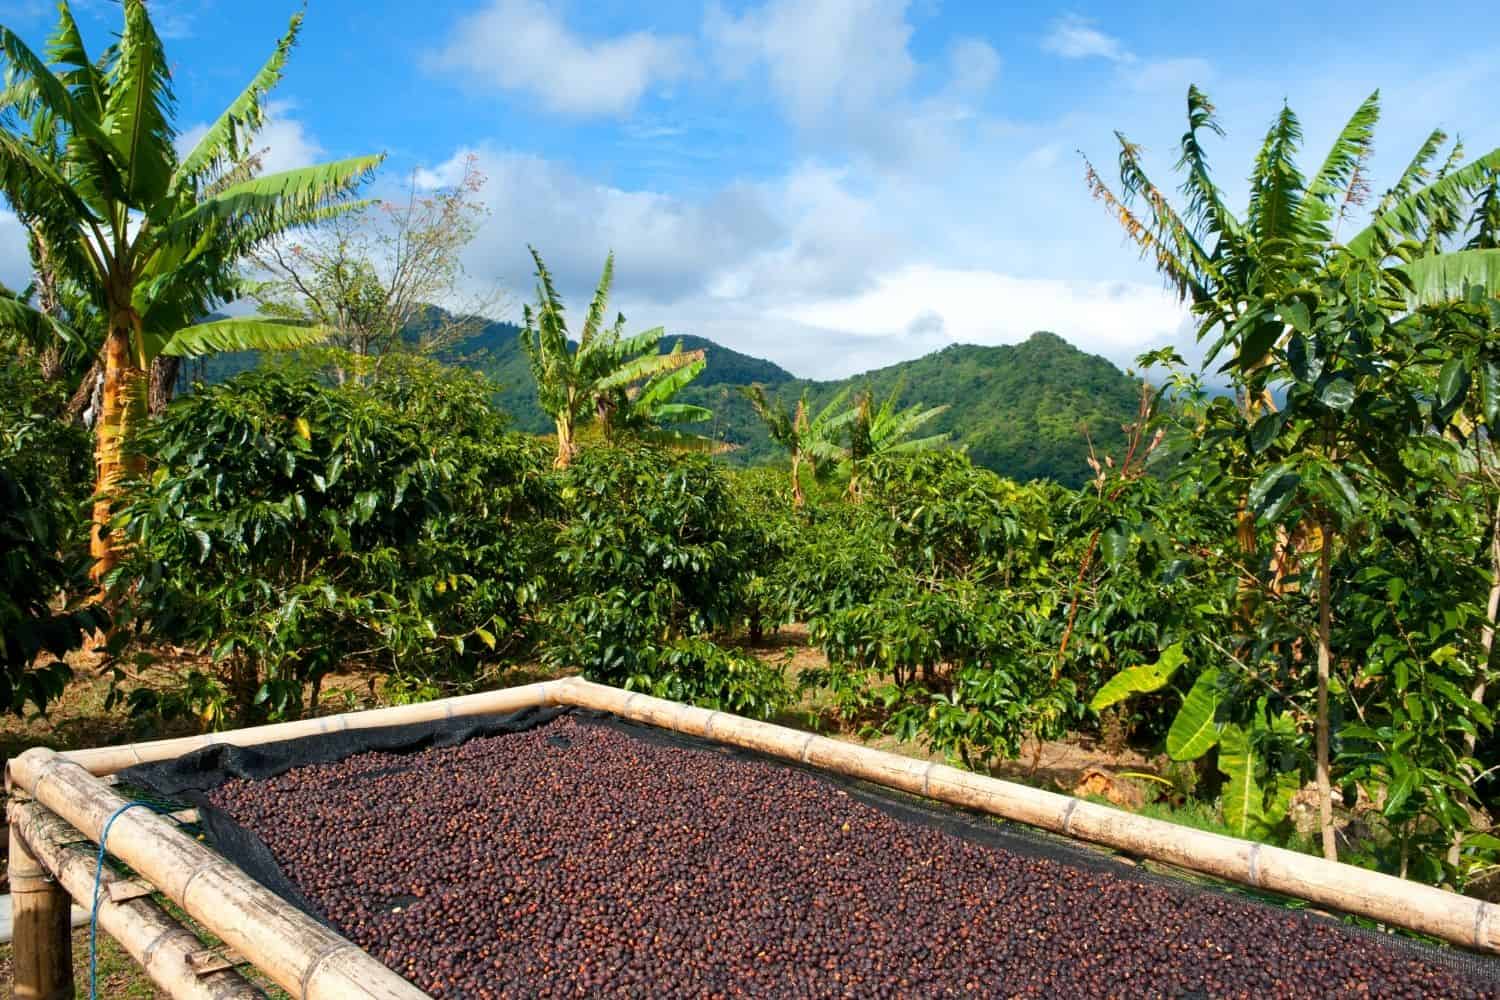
x,y
189,779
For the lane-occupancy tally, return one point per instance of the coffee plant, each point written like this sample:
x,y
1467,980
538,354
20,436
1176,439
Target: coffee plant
x,y
291,527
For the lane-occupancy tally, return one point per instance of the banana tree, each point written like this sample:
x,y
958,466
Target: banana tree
x,y
613,378
1276,289
883,431
650,411
155,238
804,438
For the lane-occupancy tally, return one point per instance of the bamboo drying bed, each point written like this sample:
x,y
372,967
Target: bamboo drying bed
x,y
59,802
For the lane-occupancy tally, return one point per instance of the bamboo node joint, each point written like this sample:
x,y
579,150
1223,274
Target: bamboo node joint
x,y
1067,817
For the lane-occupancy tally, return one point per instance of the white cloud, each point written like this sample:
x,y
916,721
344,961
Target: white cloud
x,y
1075,37
286,141
974,65
522,45
825,58
814,269
985,307
842,73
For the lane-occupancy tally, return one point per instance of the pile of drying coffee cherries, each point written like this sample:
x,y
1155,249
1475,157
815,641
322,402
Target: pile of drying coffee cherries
x,y
578,860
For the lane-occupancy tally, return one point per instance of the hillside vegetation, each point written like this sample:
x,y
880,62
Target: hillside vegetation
x,y
1026,411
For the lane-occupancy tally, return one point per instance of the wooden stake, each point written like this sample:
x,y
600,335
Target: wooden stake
x,y
159,944
42,958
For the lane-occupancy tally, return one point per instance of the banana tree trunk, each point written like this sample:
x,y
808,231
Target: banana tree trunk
x,y
565,446
797,498
122,405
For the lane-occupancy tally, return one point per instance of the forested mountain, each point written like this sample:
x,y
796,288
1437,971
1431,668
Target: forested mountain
x,y
1019,409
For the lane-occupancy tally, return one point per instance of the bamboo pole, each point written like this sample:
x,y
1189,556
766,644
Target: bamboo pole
x,y
1462,920
42,949
308,960
108,760
160,945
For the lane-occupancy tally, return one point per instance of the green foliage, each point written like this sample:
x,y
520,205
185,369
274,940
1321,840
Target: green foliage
x,y
624,382
44,475
291,527
1026,411
653,553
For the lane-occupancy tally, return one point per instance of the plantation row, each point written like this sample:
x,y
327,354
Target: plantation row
x,y
294,527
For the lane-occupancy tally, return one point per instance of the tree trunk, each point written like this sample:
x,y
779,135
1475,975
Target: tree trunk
x,y
797,498
1486,642
120,409
564,443
1325,657
163,383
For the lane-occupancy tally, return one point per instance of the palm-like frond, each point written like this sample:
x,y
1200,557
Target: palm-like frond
x,y
283,196
1484,225
1449,277
1430,208
241,334
680,413
32,327
139,108
646,366
88,146
1277,187
226,140
600,302
779,424
831,414
78,72
666,385
892,430
619,347
21,166
1162,234
1341,177
1416,172
1205,209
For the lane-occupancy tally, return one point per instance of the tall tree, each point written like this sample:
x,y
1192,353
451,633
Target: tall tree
x,y
373,278
886,430
154,237
576,382
1302,311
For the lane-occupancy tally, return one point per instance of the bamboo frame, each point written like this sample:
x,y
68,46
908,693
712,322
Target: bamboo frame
x,y
43,933
296,952
108,760
314,963
160,945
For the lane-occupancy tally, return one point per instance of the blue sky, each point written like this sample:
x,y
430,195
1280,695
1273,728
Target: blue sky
x,y
833,184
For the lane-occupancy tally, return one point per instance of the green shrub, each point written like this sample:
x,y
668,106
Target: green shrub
x,y
44,476
655,555
291,527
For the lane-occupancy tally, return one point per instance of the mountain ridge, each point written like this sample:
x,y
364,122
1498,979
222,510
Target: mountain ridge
x,y
1027,410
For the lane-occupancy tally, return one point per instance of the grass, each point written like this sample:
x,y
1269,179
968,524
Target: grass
x,y
119,976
